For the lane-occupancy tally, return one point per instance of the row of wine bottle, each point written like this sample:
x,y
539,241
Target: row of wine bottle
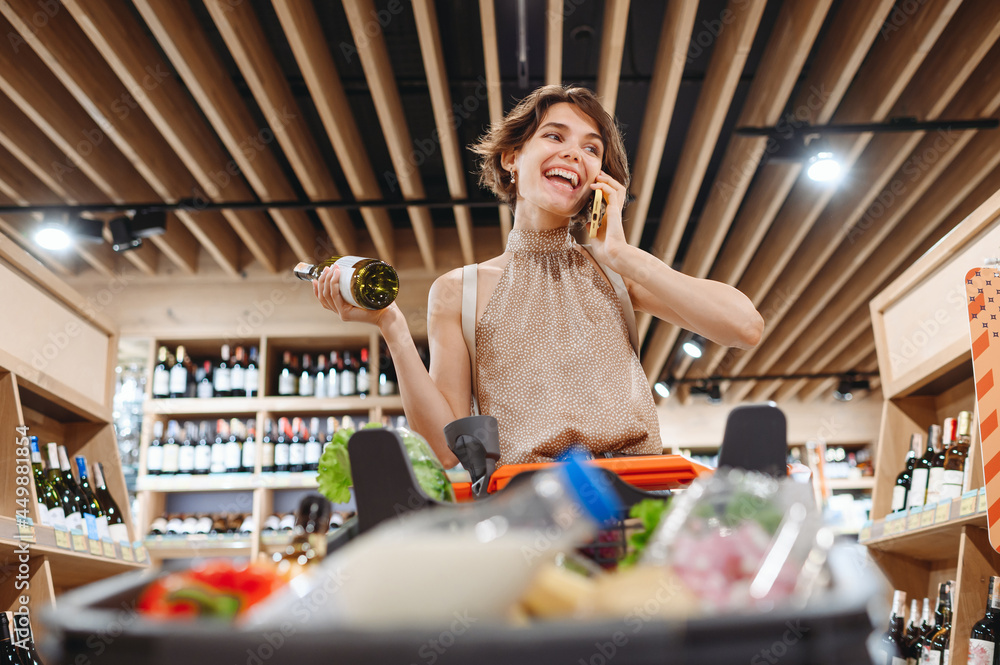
x,y
70,503
231,447
180,376
182,524
929,644
942,472
347,374
17,643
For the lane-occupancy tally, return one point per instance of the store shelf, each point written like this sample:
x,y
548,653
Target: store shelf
x,y
199,545
935,542
198,483
294,405
69,568
848,484
305,479
193,406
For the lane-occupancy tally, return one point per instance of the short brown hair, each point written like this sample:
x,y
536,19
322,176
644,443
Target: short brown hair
x,y
520,124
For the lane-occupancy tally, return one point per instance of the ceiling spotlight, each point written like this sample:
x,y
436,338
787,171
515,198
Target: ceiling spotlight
x,y
823,167
848,386
53,236
694,347
127,233
710,390
663,388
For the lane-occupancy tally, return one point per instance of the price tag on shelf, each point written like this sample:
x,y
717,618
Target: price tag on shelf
x,y
895,524
78,540
108,546
25,529
927,516
62,537
866,532
94,546
126,551
140,551
942,512
982,501
968,504
913,518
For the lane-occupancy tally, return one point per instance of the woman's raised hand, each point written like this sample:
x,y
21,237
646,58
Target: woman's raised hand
x,y
610,238
327,291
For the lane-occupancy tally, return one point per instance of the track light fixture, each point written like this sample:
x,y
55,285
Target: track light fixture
x,y
664,388
58,232
848,385
127,233
710,389
694,347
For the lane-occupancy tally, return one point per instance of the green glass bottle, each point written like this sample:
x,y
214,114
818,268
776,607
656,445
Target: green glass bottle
x,y
48,500
365,283
94,515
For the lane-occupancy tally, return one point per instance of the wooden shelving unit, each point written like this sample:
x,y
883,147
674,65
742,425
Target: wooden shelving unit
x,y
925,362
154,491
57,359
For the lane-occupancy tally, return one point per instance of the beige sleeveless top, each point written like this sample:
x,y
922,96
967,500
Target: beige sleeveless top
x,y
554,363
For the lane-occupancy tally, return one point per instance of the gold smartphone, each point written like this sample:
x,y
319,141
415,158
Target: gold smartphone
x,y
597,213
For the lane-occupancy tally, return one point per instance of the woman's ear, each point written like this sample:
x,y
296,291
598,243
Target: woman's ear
x,y
508,160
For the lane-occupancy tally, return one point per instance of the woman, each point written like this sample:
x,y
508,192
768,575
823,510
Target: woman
x,y
553,359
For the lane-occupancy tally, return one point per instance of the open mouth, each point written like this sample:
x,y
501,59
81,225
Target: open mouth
x,y
563,178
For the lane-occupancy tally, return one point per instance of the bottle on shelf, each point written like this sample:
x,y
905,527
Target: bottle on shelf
x,y
923,633
955,474
8,652
175,525
286,379
387,374
171,449
314,446
912,626
922,465
158,526
44,493
297,447
94,516
154,452
161,375
308,546
936,476
206,387
203,451
282,445
363,378
237,374
348,376
217,463
333,375
267,447
221,377
25,638
72,502
983,639
59,512
307,385
319,384
365,283
179,374
901,490
891,643
247,525
116,521
251,376
185,454
917,492
936,649
234,447
272,523
287,522
249,457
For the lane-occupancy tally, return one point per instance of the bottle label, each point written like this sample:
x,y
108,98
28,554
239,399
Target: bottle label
x,y
249,452
102,527
319,390
918,489
347,264
203,458
57,518
306,388
286,384
348,383
185,459
250,381
314,450
154,459
161,382
221,380
281,454
951,484
234,454
934,484
171,453
119,533
947,657
981,652
967,473
297,454
364,384
90,521
898,498
333,383
218,464
74,521
205,389
237,378
178,380
267,456
43,515
930,657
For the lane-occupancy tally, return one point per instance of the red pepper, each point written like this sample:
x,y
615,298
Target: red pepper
x,y
218,588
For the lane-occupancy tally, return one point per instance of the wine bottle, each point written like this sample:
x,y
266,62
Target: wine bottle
x,y
363,377
308,546
924,632
953,480
282,445
8,652
348,376
286,380
116,522
936,476
250,377
319,384
203,451
185,454
179,374
57,512
171,449
387,374
922,469
912,626
901,490
161,375
221,378
917,493
247,525
43,491
249,459
983,639
366,283
297,447
287,522
267,447
333,375
206,387
271,523
25,639
314,447
175,525
72,501
307,386
158,527
218,463
234,447
891,643
237,374
936,649
154,453
93,513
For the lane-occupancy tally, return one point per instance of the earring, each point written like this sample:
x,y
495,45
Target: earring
x,y
513,177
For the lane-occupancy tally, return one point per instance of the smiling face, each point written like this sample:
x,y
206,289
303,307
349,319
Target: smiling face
x,y
557,164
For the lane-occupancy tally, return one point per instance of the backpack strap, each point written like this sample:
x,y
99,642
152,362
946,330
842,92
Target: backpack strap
x,y
470,278
618,284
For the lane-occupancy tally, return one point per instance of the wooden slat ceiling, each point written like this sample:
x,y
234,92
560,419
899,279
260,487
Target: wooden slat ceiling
x,y
134,101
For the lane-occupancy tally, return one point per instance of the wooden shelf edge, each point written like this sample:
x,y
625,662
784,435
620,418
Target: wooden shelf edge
x,y
221,483
233,405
